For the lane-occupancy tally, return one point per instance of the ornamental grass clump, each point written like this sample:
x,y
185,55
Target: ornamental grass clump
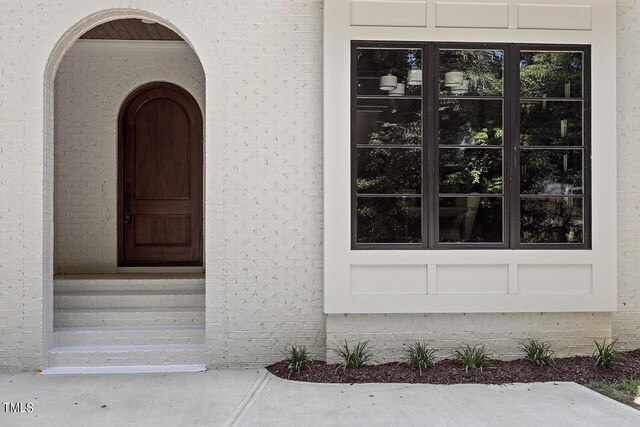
x,y
354,357
538,352
605,354
476,357
418,355
297,358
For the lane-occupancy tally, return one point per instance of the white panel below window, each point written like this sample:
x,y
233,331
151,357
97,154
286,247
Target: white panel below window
x,y
554,17
389,13
555,279
472,15
388,279
472,279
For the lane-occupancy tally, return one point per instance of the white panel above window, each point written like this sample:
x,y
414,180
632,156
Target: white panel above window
x,y
389,13
472,15
554,17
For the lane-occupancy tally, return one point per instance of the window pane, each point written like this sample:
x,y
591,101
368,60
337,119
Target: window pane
x,y
471,72
471,122
470,170
470,219
551,74
552,220
551,123
389,219
389,170
404,64
389,121
551,171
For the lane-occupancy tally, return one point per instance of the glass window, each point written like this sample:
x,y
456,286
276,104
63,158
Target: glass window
x,y
470,123
552,157
389,139
470,146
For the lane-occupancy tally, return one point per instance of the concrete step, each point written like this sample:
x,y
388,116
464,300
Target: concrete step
x,y
127,336
128,282
133,355
129,299
93,317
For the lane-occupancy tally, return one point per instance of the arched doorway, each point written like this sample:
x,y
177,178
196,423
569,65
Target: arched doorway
x,y
99,317
160,178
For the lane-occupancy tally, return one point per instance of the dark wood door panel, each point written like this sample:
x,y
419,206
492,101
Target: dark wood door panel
x,y
160,178
162,230
163,144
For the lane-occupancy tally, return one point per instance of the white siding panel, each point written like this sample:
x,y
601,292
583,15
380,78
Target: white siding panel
x,y
389,13
554,17
386,279
473,279
472,15
555,279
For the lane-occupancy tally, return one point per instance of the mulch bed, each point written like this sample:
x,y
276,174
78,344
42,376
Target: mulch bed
x,y
579,369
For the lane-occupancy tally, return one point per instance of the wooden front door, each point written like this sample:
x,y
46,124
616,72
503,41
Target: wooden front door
x,y
160,178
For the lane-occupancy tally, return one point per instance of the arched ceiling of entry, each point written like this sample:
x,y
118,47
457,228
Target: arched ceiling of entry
x,y
130,29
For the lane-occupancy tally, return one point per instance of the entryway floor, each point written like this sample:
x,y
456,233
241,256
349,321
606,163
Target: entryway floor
x,y
253,397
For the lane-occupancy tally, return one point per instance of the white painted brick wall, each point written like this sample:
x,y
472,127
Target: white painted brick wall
x,y
502,333
263,180
626,322
89,91
263,61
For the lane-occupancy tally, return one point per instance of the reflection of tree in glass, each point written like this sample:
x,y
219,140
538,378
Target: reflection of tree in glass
x,y
481,68
551,74
392,170
470,122
389,220
551,123
551,220
470,170
551,172
397,124
389,170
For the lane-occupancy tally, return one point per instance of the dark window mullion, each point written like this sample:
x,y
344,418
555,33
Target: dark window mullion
x,y
513,138
431,91
434,188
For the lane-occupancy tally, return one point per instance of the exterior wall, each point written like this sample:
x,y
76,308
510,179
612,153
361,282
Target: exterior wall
x,y
263,152
626,321
502,333
93,81
264,185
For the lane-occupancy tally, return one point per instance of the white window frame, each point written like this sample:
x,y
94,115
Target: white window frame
x,y
452,281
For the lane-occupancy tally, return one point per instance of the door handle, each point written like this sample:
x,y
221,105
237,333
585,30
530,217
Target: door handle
x,y
126,216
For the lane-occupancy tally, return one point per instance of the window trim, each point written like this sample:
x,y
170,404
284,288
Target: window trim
x,y
511,143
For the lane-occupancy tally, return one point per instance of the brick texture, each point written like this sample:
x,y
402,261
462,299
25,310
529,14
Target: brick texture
x,y
502,333
262,61
626,321
89,91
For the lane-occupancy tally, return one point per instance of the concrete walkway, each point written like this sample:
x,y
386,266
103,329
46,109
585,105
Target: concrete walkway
x,y
256,398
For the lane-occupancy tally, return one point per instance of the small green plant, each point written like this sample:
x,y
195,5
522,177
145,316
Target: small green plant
x,y
297,358
354,357
476,357
418,355
605,354
538,352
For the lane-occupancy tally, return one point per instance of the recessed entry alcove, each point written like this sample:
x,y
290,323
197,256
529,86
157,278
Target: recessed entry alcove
x,y
128,201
